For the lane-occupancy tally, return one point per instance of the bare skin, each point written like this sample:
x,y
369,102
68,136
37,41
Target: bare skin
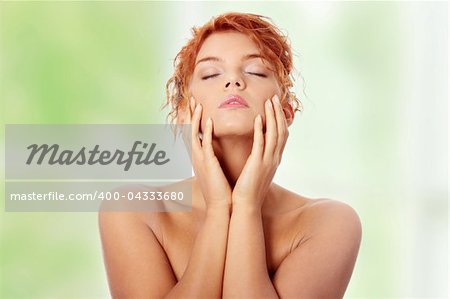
x,y
282,213
246,237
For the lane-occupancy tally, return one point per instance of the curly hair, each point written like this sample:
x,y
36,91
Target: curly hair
x,y
273,44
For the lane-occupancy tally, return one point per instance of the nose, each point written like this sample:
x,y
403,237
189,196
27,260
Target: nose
x,y
235,82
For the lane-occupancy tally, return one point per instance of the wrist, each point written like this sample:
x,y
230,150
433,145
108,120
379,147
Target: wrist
x,y
246,206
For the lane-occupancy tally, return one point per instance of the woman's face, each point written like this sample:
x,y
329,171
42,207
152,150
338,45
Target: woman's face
x,y
229,66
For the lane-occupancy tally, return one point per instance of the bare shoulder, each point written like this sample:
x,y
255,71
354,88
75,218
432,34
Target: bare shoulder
x,y
319,216
156,206
329,214
317,210
324,251
135,261
332,224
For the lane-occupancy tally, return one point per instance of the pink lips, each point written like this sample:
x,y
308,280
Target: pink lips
x,y
233,101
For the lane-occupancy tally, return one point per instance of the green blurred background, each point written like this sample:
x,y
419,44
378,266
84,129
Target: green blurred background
x,y
373,132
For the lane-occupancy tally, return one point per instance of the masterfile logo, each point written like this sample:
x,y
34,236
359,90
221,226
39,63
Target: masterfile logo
x,y
88,167
94,152
67,157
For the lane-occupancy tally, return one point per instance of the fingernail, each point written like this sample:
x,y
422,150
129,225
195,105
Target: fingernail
x,y
269,102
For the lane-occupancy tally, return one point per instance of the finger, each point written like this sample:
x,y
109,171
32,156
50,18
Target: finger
x,y
187,117
192,105
190,110
195,127
207,139
281,125
258,138
185,127
271,130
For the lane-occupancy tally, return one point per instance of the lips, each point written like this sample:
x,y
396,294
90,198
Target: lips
x,y
233,101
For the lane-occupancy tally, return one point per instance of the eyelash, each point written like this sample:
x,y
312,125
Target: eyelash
x,y
210,76
215,75
258,74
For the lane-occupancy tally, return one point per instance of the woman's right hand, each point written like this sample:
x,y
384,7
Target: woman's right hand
x,y
209,173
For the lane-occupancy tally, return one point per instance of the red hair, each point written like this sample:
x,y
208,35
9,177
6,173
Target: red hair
x,y
273,44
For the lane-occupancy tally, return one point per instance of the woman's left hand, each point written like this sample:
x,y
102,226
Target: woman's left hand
x,y
259,170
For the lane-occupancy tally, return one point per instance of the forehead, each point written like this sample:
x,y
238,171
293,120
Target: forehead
x,y
226,44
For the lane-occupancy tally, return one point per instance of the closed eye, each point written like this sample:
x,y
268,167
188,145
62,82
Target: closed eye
x,y
257,74
209,76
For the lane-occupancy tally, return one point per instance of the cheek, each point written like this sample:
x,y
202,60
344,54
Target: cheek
x,y
201,93
267,93
269,89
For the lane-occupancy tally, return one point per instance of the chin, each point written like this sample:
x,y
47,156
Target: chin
x,y
233,128
233,124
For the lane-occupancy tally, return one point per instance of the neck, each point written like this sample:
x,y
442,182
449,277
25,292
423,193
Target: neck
x,y
232,153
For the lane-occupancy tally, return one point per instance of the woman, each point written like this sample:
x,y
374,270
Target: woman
x,y
246,236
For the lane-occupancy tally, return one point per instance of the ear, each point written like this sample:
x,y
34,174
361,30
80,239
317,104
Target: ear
x,y
288,113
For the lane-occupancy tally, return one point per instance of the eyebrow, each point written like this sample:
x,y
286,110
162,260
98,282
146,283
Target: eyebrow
x,y
213,58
